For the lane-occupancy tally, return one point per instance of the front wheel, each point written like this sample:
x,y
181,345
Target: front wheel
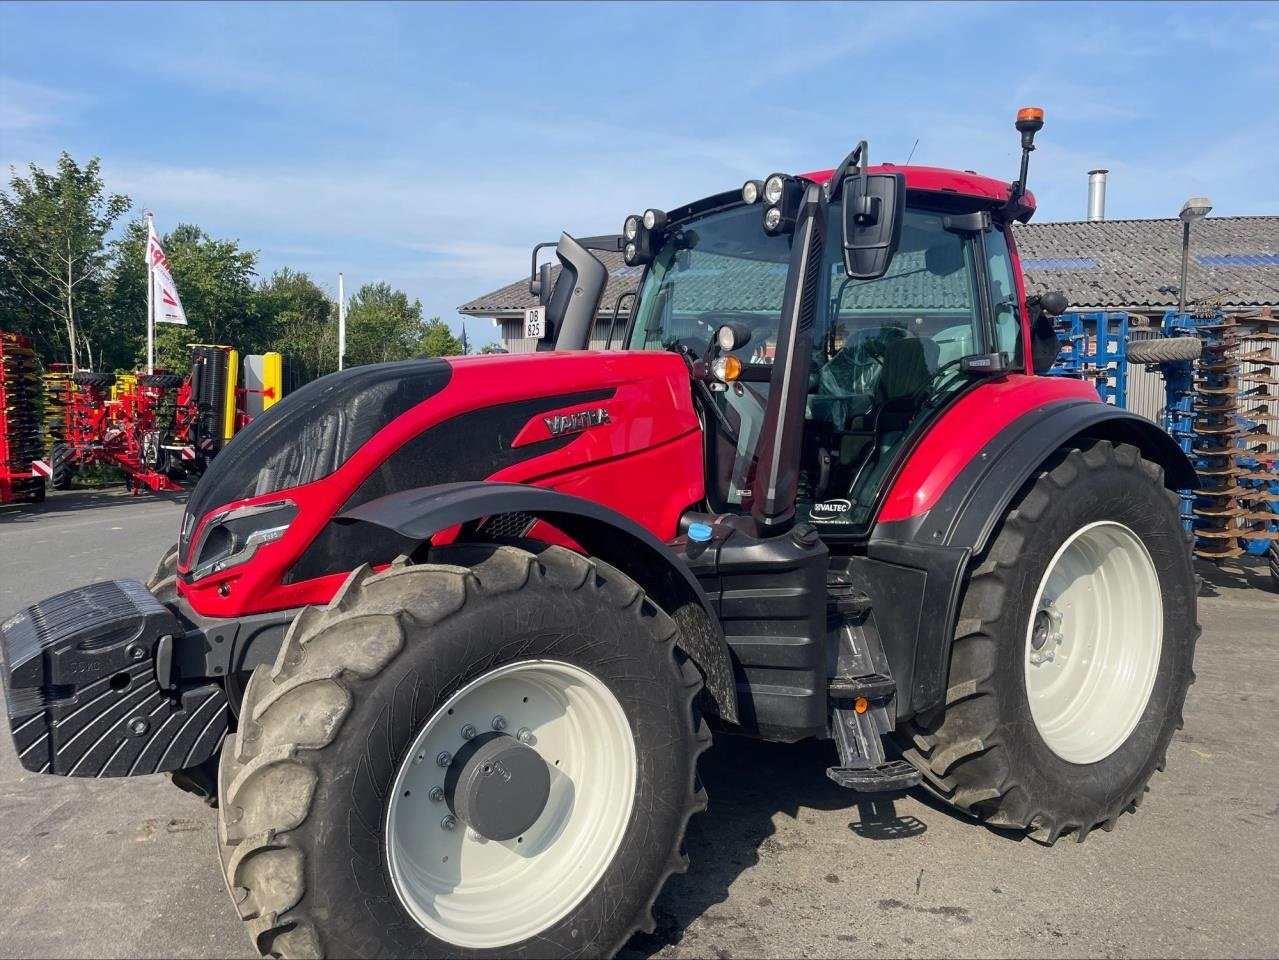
x,y
1073,652
489,755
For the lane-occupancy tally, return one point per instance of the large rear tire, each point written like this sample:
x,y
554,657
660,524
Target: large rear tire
x,y
336,835
1072,655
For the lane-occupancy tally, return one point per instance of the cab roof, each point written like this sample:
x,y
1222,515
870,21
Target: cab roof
x,y
940,180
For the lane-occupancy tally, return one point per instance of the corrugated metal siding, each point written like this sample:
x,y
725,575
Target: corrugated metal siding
x,y
1145,385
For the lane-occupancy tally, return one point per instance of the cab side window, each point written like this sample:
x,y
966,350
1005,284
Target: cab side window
x,y
1003,295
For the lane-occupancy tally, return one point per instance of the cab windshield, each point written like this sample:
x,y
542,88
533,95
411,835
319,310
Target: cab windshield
x,y
719,268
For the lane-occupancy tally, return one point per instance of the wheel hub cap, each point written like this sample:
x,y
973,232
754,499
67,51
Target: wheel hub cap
x,y
497,786
1093,645
493,837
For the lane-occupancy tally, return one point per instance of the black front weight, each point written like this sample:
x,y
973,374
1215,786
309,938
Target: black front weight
x,y
88,677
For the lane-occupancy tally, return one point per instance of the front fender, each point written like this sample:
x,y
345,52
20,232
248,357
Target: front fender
x,y
418,514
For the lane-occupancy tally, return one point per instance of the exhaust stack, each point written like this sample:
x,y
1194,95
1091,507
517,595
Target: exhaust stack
x,y
1097,195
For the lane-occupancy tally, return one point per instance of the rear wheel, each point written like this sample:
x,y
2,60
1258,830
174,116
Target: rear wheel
x,y
1073,652
492,754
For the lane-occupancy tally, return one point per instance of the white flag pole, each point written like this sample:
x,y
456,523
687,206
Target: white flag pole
x,y
150,310
341,320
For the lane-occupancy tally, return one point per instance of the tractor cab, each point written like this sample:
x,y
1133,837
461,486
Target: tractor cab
x,y
839,311
882,354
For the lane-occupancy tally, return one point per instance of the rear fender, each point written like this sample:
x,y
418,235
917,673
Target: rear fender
x,y
928,555
416,515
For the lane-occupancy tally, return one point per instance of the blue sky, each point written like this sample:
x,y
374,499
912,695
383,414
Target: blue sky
x,y
431,145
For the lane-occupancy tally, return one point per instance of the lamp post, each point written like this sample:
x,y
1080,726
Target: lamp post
x,y
1196,208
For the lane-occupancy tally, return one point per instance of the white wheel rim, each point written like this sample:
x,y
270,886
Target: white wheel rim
x,y
473,892
1093,642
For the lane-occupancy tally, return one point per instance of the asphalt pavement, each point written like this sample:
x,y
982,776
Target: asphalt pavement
x,y
784,863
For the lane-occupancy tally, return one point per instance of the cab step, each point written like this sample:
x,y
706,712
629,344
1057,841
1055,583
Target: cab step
x,y
862,696
891,776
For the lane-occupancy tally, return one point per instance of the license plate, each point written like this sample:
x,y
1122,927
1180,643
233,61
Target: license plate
x,y
535,323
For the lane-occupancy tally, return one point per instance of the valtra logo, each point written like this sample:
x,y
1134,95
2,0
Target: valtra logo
x,y
562,423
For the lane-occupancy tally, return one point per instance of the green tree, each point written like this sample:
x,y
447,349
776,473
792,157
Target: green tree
x,y
438,340
53,229
382,325
300,321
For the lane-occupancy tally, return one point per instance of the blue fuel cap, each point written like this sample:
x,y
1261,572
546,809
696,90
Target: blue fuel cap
x,y
699,532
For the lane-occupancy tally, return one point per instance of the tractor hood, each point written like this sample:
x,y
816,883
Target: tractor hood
x,y
563,420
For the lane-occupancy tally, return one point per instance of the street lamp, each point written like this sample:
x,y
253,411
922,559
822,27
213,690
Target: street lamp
x,y
1196,208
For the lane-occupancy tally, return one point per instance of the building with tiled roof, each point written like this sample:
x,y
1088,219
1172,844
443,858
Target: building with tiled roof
x,y
1132,265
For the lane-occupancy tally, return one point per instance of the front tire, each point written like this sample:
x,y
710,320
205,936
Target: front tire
x,y
328,803
1073,652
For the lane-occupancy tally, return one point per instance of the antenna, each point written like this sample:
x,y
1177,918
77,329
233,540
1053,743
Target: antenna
x,y
912,152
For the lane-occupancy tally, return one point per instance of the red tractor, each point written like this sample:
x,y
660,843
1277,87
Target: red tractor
x,y
443,639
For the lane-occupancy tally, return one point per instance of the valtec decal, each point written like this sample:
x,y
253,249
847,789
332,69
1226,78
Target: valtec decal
x,y
830,511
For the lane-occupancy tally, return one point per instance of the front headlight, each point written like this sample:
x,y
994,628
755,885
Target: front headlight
x,y
629,254
631,227
772,219
233,537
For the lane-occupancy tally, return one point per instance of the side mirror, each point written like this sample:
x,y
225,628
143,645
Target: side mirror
x,y
874,207
1054,304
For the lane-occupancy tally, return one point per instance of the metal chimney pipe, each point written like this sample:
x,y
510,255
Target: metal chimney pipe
x,y
1097,195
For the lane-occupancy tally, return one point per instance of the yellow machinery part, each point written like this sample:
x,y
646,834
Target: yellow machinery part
x,y
272,379
232,381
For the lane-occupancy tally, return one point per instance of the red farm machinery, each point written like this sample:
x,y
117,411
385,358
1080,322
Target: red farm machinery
x,y
161,429
444,639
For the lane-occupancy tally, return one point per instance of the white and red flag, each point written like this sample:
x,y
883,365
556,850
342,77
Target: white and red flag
x,y
166,305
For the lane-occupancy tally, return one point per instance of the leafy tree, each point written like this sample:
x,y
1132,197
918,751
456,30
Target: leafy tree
x,y
438,340
382,325
493,348
53,229
300,321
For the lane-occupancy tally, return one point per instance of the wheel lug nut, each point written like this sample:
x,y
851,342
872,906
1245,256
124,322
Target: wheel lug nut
x,y
525,735
499,722
436,794
444,758
449,822
468,732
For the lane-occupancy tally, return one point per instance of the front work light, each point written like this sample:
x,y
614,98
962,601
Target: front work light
x,y
773,187
631,228
630,254
773,219
751,190
654,219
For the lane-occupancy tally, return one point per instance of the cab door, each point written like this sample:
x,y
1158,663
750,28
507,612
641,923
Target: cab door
x,y
888,359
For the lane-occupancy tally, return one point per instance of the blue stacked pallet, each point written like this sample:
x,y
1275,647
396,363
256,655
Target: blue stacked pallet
x,y
1094,347
1221,420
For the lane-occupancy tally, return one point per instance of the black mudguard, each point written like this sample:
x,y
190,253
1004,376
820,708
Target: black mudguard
x,y
415,515
917,567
